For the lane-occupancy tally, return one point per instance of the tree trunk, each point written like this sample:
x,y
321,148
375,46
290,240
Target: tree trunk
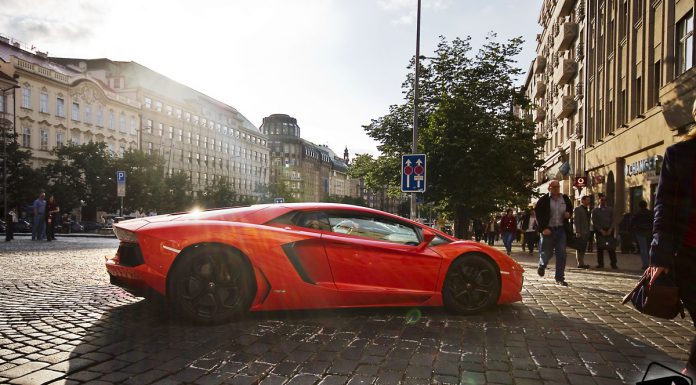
x,y
461,222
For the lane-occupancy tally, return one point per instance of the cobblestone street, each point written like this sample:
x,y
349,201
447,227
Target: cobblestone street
x,y
62,322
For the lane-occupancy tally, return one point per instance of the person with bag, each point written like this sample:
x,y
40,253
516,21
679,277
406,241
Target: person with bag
x,y
529,226
673,249
553,212
581,222
603,222
508,228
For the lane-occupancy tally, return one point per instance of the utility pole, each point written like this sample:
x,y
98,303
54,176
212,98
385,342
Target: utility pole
x,y
414,148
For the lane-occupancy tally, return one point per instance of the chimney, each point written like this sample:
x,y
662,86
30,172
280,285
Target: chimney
x,y
16,44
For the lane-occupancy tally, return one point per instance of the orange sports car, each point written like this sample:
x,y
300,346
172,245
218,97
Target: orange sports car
x,y
214,266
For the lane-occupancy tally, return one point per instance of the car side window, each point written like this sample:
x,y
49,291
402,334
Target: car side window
x,y
378,228
316,220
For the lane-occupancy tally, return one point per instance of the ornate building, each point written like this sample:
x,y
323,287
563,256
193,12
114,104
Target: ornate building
x,y
56,104
310,172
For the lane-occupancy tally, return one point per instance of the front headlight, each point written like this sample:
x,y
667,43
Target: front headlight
x,y
125,235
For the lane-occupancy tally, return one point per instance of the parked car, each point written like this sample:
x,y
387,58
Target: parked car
x,y
91,226
22,226
217,265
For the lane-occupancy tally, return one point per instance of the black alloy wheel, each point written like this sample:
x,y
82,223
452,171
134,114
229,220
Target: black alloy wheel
x,y
211,286
472,285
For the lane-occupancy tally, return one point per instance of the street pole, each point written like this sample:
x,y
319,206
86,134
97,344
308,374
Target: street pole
x,y
414,148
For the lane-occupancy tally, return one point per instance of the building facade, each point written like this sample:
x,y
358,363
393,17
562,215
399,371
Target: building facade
x,y
196,134
631,94
555,83
310,172
56,105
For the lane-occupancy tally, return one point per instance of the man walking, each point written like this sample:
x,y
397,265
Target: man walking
x,y
581,221
603,222
38,231
553,212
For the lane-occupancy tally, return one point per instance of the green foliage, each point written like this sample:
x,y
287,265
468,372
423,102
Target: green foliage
x,y
481,157
176,194
23,182
219,194
145,184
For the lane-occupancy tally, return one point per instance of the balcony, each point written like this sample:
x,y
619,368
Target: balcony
x,y
567,32
540,88
564,7
676,99
539,114
539,64
565,71
564,107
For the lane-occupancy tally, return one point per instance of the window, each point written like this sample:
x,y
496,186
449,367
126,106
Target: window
x,y
685,44
2,102
148,126
75,116
26,97
170,132
188,137
75,138
43,103
43,135
133,126
100,117
112,120
148,102
168,110
158,106
178,113
122,123
180,135
377,228
160,129
60,107
88,114
657,79
60,138
26,137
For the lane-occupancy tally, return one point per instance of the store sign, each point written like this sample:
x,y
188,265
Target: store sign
x,y
651,163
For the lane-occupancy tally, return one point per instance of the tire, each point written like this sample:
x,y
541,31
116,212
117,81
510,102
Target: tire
x,y
472,284
211,285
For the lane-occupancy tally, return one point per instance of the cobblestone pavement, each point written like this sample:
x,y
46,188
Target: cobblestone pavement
x,y
62,323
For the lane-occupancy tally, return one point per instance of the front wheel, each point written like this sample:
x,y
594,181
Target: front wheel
x,y
211,285
472,285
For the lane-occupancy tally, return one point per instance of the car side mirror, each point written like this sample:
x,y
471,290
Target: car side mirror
x,y
428,236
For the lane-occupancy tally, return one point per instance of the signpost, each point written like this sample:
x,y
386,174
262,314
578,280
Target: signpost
x,y
413,173
121,187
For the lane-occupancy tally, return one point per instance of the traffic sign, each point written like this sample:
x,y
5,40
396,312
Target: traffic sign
x,y
120,183
279,200
413,173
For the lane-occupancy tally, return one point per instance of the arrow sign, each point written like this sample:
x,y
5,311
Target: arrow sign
x,y
413,177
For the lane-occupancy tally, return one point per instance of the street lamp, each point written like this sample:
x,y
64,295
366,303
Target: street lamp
x,y
414,148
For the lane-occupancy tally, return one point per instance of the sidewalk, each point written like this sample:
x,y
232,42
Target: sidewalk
x,y
628,263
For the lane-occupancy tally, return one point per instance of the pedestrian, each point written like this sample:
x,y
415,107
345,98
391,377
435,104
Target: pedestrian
x,y
641,226
626,236
491,229
553,212
52,215
508,228
38,231
673,248
530,227
10,222
581,222
603,222
478,229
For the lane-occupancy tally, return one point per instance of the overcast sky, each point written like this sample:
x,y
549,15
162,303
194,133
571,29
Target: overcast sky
x,y
332,64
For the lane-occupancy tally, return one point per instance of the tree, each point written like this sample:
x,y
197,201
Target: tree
x,y
218,194
481,157
23,182
176,195
83,173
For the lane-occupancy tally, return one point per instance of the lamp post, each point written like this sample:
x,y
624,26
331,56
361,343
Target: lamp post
x,y
414,148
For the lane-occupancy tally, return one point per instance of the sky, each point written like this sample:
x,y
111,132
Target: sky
x,y
334,65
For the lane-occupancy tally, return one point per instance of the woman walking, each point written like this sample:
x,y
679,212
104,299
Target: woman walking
x,y
673,249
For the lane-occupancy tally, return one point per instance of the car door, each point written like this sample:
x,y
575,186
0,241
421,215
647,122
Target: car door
x,y
379,254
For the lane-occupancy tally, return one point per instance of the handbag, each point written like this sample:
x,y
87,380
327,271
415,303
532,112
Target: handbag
x,y
661,299
606,242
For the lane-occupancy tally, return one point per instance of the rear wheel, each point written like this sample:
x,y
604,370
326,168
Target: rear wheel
x,y
211,285
472,285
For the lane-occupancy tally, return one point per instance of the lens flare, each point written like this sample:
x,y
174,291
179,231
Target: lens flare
x,y
413,316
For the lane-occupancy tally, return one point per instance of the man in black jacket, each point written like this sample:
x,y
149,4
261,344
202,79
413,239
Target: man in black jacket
x,y
553,212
